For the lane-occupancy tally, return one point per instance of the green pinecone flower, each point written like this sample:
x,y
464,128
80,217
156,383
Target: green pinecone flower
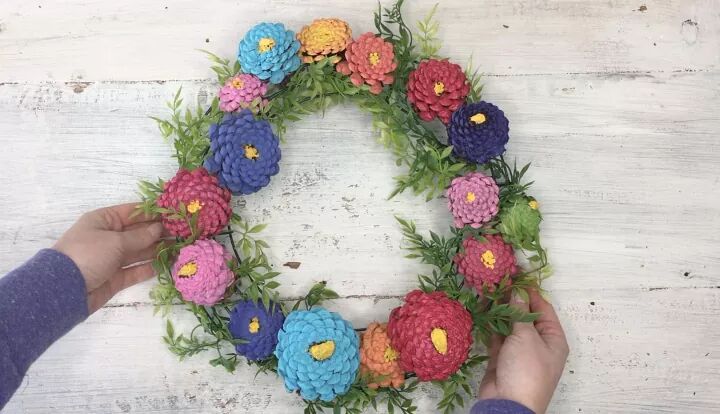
x,y
520,222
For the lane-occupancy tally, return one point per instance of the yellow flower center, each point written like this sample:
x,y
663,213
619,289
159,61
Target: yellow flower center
x,y
470,197
194,206
237,83
438,336
323,350
439,88
251,152
374,58
534,204
390,354
188,269
254,325
488,259
478,118
265,44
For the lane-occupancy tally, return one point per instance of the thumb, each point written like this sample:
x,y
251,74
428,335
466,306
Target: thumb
x,y
517,302
140,237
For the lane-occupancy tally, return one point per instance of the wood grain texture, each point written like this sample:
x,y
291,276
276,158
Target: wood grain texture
x,y
617,108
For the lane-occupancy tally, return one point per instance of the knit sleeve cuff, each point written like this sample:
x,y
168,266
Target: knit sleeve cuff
x,y
499,407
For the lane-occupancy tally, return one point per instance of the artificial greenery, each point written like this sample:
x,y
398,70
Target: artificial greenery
x,y
430,166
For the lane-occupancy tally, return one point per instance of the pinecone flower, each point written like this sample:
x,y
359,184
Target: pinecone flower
x,y
201,272
201,195
378,359
242,91
253,322
478,132
520,222
436,88
323,37
473,199
371,60
269,52
486,263
317,354
432,333
244,152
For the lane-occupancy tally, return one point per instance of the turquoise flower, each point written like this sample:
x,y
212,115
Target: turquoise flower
x,y
318,354
269,52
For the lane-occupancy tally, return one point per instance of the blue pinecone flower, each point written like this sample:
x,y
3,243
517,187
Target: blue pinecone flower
x,y
478,132
254,323
269,52
244,152
318,354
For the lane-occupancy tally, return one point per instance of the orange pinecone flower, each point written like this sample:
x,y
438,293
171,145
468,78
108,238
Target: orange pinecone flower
x,y
323,37
378,360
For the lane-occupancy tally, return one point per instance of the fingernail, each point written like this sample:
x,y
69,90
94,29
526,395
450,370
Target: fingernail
x,y
155,230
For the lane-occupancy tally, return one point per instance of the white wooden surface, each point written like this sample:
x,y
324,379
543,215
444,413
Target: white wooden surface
x,y
617,106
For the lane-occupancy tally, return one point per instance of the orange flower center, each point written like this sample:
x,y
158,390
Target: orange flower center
x,y
194,206
439,88
374,58
470,197
237,83
254,325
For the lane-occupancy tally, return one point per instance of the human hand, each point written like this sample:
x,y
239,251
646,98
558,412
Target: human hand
x,y
526,366
105,243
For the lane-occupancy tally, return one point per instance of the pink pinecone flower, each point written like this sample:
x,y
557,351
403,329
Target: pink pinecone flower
x,y
473,199
201,272
486,263
240,91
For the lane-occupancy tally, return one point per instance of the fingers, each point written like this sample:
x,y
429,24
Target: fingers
x,y
140,237
117,218
548,324
118,282
518,302
143,255
487,385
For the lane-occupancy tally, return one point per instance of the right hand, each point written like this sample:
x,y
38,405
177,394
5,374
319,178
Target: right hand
x,y
526,366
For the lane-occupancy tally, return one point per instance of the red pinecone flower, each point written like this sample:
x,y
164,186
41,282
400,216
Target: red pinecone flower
x,y
486,263
432,334
369,59
200,193
437,88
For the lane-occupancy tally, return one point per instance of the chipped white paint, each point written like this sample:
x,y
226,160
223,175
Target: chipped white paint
x,y
617,108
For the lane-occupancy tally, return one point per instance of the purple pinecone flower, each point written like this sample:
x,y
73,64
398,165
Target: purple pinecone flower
x,y
241,91
478,132
253,322
244,152
473,199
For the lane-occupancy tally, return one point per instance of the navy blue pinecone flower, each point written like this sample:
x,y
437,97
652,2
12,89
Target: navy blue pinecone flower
x,y
253,322
478,132
244,152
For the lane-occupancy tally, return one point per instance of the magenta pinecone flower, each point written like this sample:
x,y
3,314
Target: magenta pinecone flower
x,y
473,199
486,263
201,272
240,91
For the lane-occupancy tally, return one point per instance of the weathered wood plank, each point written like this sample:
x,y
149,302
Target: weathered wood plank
x,y
140,40
632,352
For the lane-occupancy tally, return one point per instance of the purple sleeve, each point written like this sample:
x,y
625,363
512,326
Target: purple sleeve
x,y
499,407
40,301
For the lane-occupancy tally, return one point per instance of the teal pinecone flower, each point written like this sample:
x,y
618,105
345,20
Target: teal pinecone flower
x,y
269,52
318,354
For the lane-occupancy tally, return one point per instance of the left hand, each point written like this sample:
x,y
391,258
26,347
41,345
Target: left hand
x,y
109,248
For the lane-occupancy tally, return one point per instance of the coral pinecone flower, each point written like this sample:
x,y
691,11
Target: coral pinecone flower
x,y
201,273
317,354
378,359
242,92
201,195
371,60
269,52
478,132
323,37
436,88
473,199
244,152
253,322
486,263
432,333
